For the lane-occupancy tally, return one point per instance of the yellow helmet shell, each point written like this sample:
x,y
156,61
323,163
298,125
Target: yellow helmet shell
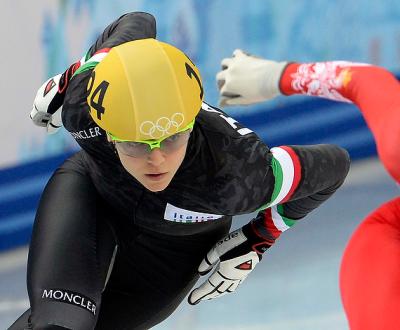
x,y
144,90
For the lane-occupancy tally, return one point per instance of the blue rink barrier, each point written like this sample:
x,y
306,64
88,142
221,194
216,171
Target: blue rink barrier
x,y
306,122
20,190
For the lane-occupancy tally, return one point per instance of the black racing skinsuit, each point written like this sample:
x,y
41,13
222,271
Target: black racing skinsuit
x,y
94,217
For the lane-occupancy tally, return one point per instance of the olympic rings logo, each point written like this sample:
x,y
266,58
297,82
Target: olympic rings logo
x,y
163,126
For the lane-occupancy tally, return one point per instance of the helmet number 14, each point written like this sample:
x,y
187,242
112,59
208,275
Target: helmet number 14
x,y
97,98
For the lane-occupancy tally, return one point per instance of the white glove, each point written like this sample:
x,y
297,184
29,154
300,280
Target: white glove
x,y
238,253
47,106
246,79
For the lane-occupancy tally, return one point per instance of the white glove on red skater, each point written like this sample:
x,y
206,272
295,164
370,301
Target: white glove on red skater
x,y
246,79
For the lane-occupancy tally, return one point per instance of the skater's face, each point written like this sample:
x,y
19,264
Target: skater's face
x,y
156,168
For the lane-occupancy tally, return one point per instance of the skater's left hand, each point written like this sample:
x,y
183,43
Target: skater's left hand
x,y
237,253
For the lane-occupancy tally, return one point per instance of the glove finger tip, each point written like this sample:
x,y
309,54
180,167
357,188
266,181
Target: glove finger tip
x,y
204,272
220,75
220,83
204,268
236,101
225,63
237,52
230,98
223,101
191,300
194,303
221,104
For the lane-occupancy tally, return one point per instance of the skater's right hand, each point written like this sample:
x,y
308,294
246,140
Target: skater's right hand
x,y
47,106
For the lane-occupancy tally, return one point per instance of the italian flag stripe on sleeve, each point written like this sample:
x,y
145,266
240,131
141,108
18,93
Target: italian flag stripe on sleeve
x,y
296,174
287,171
270,225
280,222
90,63
275,223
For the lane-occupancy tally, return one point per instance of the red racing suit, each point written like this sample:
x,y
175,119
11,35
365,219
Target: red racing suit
x,y
370,270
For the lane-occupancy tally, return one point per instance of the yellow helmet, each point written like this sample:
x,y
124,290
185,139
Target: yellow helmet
x,y
144,90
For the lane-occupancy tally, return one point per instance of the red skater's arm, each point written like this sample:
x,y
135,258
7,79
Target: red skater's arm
x,y
373,89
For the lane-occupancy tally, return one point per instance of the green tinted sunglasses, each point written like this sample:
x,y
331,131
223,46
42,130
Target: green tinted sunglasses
x,y
142,148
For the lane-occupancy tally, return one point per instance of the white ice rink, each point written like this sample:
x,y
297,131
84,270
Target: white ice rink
x,y
295,287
